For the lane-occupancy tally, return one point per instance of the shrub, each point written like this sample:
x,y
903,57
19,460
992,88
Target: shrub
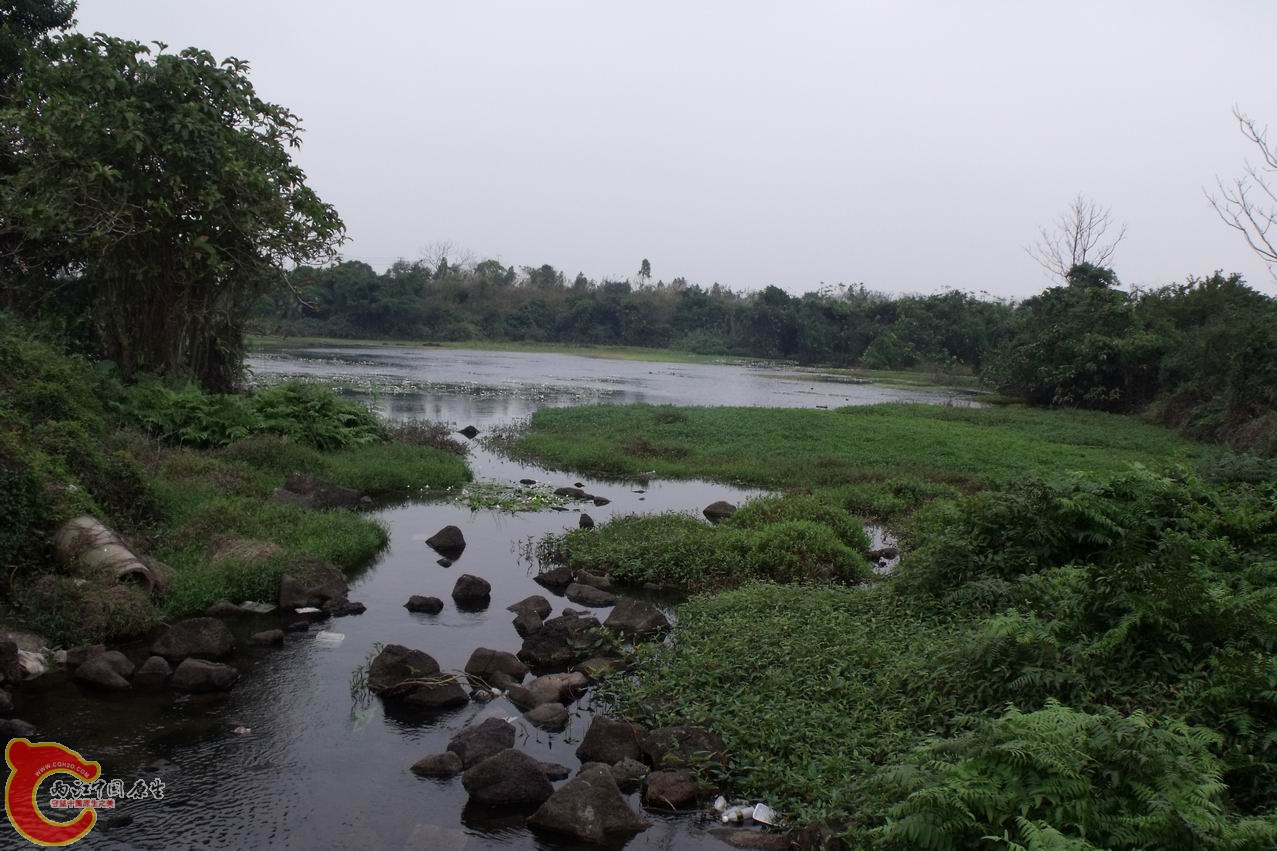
x,y
803,550
766,510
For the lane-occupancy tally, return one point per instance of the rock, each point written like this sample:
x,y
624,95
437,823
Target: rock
x,y
76,656
99,673
155,671
119,662
587,595
558,688
10,661
720,510
536,603
297,626
505,682
413,677
580,485
755,839
527,481
572,493
588,807
292,594
575,613
348,608
528,623
469,431
6,702
610,741
671,790
561,643
484,661
267,638
471,591
635,618
548,716
223,609
506,779
448,542
556,578
444,562
556,771
446,764
310,492
586,522
426,605
600,582
365,501
682,746
201,675
202,638
629,774
601,501
598,667
13,728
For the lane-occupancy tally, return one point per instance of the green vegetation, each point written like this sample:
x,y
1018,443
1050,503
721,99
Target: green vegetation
x,y
1082,664
73,440
881,460
793,538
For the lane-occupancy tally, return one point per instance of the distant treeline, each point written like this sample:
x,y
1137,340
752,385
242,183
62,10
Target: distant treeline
x,y
1201,355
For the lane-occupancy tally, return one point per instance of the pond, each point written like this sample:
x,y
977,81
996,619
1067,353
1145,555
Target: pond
x,y
321,769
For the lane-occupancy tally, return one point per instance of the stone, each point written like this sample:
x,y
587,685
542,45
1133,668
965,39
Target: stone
x,y
292,593
484,661
636,618
396,666
586,521
601,501
76,656
471,591
448,542
682,746
586,595
223,609
347,608
548,716
267,638
589,807
119,662
475,744
629,774
508,778
14,728
99,673
536,603
755,839
610,741
556,771
424,605
556,578
561,643
675,789
10,661
558,688
446,764
469,431
446,694
527,481
720,510
598,667
584,577
154,673
572,493
527,623
444,562
201,675
202,638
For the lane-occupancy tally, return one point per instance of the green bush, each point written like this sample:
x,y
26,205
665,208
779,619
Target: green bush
x,y
767,510
804,550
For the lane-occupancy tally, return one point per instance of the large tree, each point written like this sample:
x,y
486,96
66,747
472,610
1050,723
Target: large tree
x,y
157,193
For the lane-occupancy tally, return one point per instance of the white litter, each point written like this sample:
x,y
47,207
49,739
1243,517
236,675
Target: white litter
x,y
738,814
242,731
720,804
512,719
257,608
763,814
307,610
332,639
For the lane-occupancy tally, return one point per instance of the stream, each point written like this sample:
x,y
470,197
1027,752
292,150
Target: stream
x,y
320,769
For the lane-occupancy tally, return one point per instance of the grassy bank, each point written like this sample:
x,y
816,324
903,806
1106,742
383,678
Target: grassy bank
x,y
879,461
188,480
634,353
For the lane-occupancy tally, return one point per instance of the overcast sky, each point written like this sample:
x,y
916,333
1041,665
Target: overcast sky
x,y
912,146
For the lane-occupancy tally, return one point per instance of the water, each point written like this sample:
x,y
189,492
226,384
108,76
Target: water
x,y
321,770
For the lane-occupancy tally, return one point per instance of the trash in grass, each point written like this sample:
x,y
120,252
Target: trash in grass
x,y
720,804
242,731
330,639
256,607
738,814
307,610
763,814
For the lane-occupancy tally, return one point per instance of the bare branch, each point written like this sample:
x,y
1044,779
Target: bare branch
x,y
1248,204
1085,233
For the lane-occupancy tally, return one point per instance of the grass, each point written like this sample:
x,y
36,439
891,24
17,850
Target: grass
x,y
634,353
880,461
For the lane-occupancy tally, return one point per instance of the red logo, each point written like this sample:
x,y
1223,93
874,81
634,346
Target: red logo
x,y
31,764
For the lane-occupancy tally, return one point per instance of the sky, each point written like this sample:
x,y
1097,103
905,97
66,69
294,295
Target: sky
x,y
911,146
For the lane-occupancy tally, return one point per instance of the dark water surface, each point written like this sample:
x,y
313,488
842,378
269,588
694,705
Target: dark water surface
x,y
323,770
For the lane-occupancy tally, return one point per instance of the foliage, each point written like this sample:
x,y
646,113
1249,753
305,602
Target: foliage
x,y
308,414
1066,780
154,199
784,539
